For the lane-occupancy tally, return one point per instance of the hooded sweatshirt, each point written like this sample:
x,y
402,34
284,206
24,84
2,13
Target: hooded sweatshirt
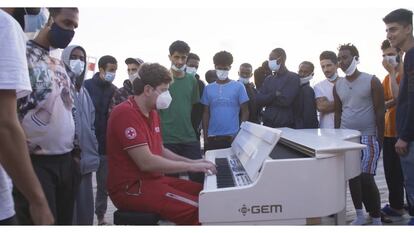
x,y
84,116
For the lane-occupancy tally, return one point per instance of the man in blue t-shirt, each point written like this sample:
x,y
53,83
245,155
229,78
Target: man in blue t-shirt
x,y
222,102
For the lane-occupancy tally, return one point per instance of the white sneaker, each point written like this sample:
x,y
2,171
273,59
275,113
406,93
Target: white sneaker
x,y
358,221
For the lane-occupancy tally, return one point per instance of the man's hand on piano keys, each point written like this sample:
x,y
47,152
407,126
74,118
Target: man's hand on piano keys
x,y
204,166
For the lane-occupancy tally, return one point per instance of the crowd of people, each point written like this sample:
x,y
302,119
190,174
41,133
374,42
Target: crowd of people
x,y
57,129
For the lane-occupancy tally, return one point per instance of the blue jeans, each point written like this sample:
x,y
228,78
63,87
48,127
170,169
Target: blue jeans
x,y
407,165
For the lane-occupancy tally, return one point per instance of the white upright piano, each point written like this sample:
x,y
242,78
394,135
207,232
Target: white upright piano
x,y
278,176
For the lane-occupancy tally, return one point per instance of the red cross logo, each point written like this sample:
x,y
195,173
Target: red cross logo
x,y
130,133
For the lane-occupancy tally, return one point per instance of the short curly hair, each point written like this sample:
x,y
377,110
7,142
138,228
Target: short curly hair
x,y
350,47
152,74
223,58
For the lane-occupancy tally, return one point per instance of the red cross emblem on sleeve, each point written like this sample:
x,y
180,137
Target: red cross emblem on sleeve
x,y
130,133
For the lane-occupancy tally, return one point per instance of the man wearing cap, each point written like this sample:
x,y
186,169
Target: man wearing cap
x,y
122,93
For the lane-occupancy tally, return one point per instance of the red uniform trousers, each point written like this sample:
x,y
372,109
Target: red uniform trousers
x,y
175,200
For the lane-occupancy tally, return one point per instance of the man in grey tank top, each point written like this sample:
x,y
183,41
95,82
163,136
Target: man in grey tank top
x,y
359,105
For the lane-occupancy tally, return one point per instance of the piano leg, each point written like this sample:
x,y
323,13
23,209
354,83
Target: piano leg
x,y
340,217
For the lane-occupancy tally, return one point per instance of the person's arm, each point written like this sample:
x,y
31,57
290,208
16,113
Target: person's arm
x,y
168,154
392,84
338,109
394,87
324,105
309,109
206,119
147,162
114,101
264,96
244,111
14,157
288,93
390,103
243,100
195,98
377,93
407,130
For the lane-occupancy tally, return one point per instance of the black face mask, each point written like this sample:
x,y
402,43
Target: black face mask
x,y
59,37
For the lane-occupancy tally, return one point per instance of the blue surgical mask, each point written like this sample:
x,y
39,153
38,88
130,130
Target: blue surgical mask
x,y
33,23
76,69
191,70
244,80
273,65
333,77
59,37
77,66
109,77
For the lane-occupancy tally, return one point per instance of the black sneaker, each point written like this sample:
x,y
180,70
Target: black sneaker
x,y
385,218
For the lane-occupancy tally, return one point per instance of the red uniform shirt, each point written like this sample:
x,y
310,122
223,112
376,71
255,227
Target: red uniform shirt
x,y
129,128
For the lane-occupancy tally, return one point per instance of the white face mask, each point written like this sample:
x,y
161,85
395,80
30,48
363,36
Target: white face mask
x,y
77,66
191,70
244,80
222,74
352,67
163,100
175,68
109,77
133,76
306,79
333,77
273,66
392,60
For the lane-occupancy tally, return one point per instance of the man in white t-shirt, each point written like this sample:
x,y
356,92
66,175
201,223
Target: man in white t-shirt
x,y
14,156
324,89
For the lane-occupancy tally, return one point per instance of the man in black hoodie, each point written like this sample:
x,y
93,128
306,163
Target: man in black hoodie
x,y
245,74
305,106
399,27
102,90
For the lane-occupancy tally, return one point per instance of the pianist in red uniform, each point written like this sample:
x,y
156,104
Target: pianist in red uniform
x,y
137,159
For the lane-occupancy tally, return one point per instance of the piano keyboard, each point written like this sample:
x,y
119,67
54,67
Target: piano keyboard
x,y
231,173
224,176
